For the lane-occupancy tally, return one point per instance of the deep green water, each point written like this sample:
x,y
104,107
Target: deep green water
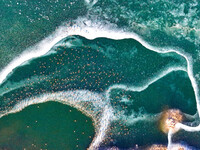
x,y
46,126
132,83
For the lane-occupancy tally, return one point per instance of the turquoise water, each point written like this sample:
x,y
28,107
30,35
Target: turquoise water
x,y
120,63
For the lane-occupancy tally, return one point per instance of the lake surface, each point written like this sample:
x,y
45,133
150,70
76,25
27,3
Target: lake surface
x,y
98,74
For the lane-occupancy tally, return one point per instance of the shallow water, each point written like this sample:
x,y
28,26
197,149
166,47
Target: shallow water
x,y
121,63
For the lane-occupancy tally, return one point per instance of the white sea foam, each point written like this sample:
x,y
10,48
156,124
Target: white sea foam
x,y
93,30
106,118
187,128
92,104
88,31
38,50
146,85
87,1
90,3
169,139
73,97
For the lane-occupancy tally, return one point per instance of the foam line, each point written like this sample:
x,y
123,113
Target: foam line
x,y
35,51
91,33
91,30
169,137
90,3
78,99
104,125
68,96
188,128
87,1
141,88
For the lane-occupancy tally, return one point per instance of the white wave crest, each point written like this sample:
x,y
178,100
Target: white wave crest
x,y
90,103
146,85
93,30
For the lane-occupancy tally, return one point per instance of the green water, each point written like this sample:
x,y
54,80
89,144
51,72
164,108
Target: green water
x,y
24,23
131,81
46,126
96,65
90,65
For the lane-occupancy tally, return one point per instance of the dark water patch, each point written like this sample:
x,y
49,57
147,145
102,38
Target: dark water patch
x,y
191,138
174,91
139,134
49,125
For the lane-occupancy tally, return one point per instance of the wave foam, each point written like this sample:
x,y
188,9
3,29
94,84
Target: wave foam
x,y
92,30
149,82
90,103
